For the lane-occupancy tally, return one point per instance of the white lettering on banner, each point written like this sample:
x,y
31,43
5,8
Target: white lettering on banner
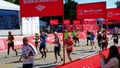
x,y
37,1
40,7
98,10
81,12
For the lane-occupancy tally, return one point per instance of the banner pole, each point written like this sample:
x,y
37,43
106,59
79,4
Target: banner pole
x,y
63,40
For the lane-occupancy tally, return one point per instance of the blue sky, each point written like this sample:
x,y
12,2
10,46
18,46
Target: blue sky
x,y
110,3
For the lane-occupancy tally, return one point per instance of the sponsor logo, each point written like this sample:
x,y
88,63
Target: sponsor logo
x,y
40,7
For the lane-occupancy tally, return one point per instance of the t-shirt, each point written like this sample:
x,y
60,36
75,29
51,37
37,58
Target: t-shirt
x,y
56,42
10,39
74,33
36,38
92,36
42,40
27,50
69,44
66,34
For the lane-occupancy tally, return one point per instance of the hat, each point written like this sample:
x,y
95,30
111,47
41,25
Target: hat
x,y
55,32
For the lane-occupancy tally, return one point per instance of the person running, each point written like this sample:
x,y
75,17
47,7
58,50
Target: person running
x,y
88,37
43,45
69,47
36,40
28,54
75,38
57,47
104,41
99,38
115,38
66,34
92,40
11,43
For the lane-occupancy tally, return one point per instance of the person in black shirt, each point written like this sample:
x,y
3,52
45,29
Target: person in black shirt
x,y
88,36
99,39
115,38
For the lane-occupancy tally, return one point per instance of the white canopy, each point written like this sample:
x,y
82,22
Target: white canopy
x,y
8,6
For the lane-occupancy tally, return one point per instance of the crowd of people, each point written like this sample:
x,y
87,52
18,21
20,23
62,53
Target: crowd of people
x,y
71,39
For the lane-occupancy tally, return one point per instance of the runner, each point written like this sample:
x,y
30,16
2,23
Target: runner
x,y
92,40
88,37
66,34
75,38
43,45
57,47
115,38
69,47
104,41
99,38
11,43
28,54
36,40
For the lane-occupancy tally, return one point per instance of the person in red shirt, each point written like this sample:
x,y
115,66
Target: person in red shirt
x,y
69,47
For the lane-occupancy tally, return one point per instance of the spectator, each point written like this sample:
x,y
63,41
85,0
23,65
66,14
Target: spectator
x,y
113,59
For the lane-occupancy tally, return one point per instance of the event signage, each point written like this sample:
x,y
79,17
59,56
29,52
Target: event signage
x,y
113,14
54,22
66,22
91,10
76,22
41,8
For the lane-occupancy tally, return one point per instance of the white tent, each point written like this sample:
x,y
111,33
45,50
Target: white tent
x,y
8,9
8,6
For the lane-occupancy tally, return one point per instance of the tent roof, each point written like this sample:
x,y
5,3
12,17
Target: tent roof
x,y
4,5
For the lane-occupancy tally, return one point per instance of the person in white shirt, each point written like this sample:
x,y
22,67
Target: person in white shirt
x,y
57,47
112,61
28,53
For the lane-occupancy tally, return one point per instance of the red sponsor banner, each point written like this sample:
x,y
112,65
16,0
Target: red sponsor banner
x,y
66,22
41,8
76,22
91,10
54,22
113,14
104,22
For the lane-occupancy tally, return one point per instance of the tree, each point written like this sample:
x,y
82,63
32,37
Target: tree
x,y
117,4
70,10
13,1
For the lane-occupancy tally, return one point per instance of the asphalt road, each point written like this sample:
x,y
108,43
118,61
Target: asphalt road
x,y
78,52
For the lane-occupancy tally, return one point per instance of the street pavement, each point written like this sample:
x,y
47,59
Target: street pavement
x,y
79,51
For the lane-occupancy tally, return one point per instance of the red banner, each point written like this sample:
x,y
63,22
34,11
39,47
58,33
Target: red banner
x,y
41,8
54,22
91,10
66,22
76,22
113,14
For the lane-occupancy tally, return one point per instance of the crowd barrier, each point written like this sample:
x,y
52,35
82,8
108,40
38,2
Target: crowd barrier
x,y
87,62
18,41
